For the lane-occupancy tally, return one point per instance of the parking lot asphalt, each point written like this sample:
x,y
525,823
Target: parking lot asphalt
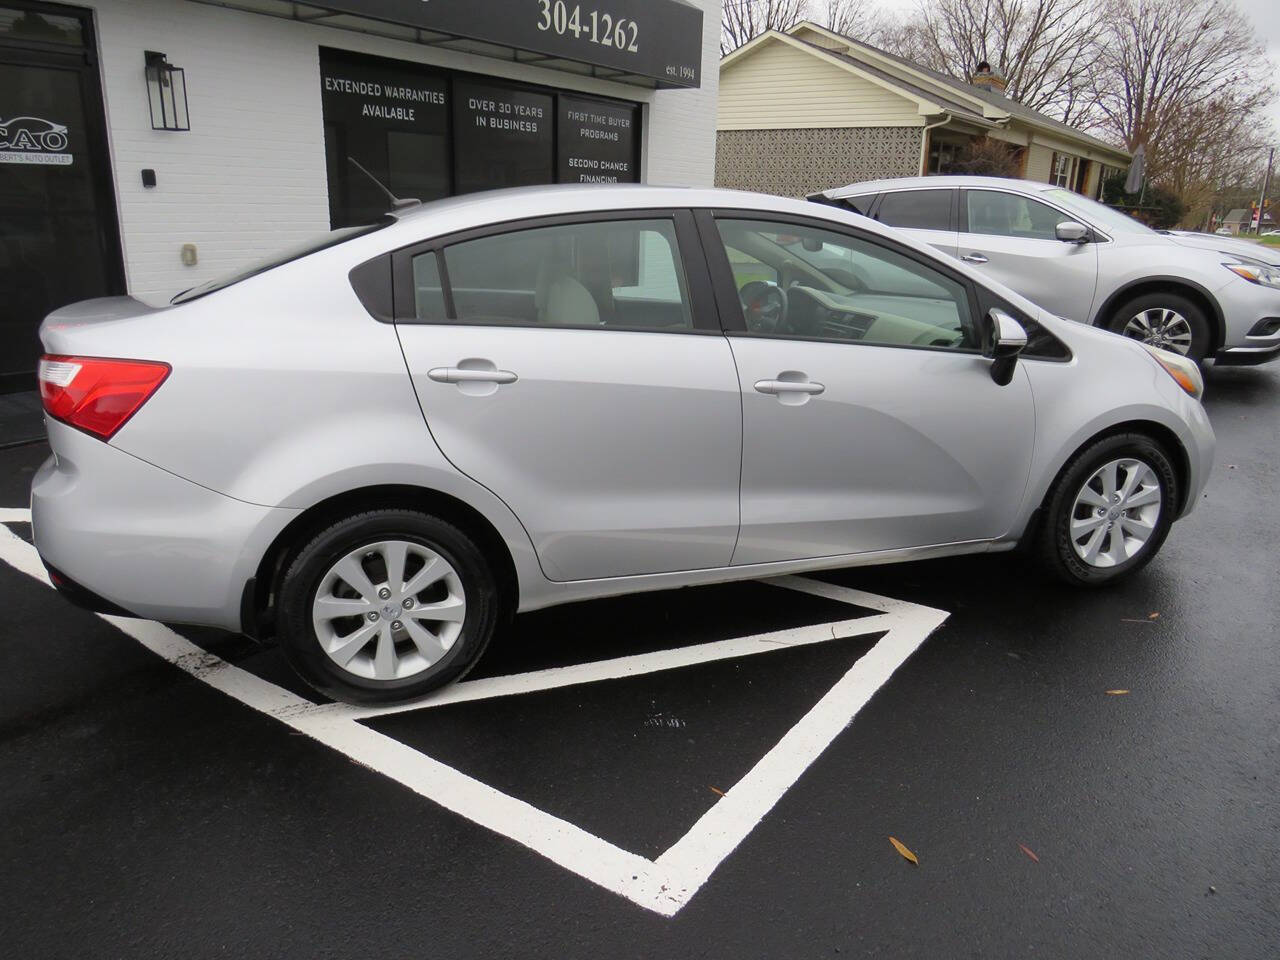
x,y
148,812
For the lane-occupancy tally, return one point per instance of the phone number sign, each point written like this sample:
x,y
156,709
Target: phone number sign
x,y
657,39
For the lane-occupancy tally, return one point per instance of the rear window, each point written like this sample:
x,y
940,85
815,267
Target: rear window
x,y
296,252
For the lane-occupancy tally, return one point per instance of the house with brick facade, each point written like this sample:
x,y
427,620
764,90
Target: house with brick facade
x,y
808,109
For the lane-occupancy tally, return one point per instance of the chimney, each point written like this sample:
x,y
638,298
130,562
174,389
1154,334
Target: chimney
x,y
984,76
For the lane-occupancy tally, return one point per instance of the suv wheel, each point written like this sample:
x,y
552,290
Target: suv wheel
x,y
1109,510
1164,320
386,605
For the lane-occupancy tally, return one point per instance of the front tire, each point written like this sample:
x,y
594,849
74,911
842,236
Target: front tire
x,y
1165,320
1109,511
386,606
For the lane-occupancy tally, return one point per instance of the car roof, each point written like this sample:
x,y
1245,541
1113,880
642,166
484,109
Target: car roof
x,y
492,207
936,182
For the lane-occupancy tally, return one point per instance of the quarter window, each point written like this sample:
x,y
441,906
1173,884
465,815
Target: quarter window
x,y
919,209
839,287
622,274
1000,214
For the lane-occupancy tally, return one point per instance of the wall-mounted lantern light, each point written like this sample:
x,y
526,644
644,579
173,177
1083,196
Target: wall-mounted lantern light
x,y
167,93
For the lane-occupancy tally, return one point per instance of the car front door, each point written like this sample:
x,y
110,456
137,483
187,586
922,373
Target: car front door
x,y
1012,238
928,215
870,418
576,368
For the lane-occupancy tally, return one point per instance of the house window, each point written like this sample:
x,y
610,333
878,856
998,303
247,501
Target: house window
x,y
942,155
1105,174
1063,171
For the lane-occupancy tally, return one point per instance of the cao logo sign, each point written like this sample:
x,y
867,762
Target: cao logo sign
x,y
33,140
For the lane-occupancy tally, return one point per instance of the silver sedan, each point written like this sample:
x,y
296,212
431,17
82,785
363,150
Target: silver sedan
x,y
379,446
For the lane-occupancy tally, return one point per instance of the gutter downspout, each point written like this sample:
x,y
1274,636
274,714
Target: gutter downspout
x,y
924,140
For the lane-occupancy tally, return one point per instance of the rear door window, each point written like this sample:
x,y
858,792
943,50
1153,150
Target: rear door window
x,y
916,209
623,274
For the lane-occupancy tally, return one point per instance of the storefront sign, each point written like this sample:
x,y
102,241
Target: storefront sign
x,y
392,118
597,141
502,136
428,133
34,140
658,39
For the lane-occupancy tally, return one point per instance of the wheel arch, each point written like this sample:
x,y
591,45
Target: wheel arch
x,y
1179,285
259,592
1161,434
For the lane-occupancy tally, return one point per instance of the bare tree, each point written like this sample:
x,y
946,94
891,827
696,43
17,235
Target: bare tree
x,y
859,19
743,20
1183,77
1043,48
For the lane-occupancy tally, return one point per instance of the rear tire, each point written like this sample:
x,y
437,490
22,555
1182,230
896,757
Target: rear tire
x,y
1166,320
386,605
1109,511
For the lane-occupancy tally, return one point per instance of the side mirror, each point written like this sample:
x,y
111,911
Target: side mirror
x,y
1002,340
1068,231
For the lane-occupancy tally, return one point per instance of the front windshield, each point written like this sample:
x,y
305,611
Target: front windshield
x,y
296,252
1097,213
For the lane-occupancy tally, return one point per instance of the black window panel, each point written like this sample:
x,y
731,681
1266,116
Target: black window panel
x,y
503,136
918,209
597,141
392,118
427,133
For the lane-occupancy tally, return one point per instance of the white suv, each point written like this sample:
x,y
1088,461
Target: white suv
x,y
1090,263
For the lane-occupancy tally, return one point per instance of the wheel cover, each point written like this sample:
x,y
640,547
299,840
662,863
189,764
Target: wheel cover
x,y
1161,327
1115,513
389,610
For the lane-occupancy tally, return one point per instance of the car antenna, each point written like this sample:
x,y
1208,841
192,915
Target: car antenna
x,y
396,202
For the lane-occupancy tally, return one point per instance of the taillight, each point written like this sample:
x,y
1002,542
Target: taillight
x,y
95,394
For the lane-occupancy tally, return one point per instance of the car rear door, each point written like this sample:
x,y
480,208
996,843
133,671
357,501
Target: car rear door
x,y
927,214
575,367
870,418
1011,237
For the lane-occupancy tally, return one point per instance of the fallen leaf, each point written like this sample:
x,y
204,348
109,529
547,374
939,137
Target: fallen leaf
x,y
1029,852
901,848
716,790
1117,693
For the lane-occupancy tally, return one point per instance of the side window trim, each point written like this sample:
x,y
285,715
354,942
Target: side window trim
x,y
702,305
730,307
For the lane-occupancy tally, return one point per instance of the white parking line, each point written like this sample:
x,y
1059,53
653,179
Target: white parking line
x,y
663,885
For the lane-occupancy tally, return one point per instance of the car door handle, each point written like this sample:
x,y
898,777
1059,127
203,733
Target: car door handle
x,y
464,375
974,258
775,387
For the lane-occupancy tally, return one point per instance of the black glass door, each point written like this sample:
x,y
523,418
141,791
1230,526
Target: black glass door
x,y
59,240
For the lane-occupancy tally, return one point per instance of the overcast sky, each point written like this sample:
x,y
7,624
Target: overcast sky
x,y
1261,13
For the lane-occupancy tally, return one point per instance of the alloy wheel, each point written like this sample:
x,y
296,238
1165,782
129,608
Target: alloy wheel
x,y
1115,512
1161,327
389,610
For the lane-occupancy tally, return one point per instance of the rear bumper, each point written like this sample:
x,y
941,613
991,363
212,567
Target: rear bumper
x,y
126,536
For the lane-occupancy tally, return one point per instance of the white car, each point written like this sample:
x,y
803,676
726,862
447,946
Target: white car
x,y
380,447
1200,296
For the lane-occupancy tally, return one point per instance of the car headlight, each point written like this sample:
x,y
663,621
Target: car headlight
x,y
1256,272
1185,372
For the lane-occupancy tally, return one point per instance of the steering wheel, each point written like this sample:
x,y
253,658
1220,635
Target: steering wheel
x,y
764,306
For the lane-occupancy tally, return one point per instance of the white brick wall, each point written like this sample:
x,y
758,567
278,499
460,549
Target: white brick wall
x,y
249,177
